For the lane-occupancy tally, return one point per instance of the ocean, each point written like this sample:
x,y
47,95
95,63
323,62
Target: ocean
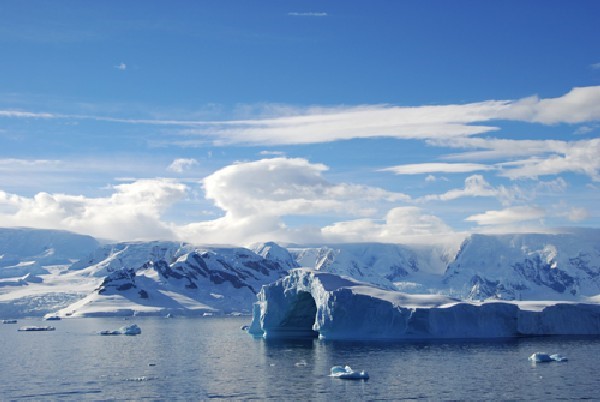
x,y
213,358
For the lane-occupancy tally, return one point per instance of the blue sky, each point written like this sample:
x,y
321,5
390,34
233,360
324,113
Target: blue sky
x,y
299,121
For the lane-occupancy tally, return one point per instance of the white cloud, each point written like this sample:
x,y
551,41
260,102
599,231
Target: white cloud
x,y
288,125
584,130
542,157
272,153
318,125
432,179
477,186
420,168
595,66
508,216
13,164
307,14
132,212
577,214
402,225
26,114
577,156
181,164
256,196
282,186
121,66
577,106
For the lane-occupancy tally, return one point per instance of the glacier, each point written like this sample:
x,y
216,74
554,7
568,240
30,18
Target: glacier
x,y
309,303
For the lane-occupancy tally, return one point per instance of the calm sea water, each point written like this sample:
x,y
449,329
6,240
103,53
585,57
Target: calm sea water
x,y
206,358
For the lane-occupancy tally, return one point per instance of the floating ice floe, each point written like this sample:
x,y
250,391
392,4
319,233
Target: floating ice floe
x,y
559,358
346,373
36,329
9,321
541,357
127,330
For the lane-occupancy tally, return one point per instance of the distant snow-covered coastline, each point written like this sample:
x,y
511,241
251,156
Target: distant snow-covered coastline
x,y
53,272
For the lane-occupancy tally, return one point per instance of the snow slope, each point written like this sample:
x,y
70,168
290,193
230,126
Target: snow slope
x,y
410,268
45,247
526,267
163,277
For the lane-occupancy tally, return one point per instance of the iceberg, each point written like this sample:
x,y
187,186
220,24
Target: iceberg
x,y
559,358
126,330
346,373
542,357
36,329
309,303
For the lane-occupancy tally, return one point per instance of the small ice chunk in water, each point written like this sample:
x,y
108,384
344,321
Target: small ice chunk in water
x,y
127,330
346,373
559,358
539,357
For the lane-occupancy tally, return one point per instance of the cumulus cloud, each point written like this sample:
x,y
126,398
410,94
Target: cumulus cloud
x,y
508,216
132,212
256,197
420,168
282,186
477,186
121,66
181,164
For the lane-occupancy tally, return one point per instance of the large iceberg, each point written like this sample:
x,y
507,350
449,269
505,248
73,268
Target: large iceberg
x,y
310,303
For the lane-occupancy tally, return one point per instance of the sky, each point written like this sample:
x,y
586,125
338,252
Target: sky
x,y
234,122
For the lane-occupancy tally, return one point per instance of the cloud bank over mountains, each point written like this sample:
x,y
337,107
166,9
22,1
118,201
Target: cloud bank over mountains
x,y
299,199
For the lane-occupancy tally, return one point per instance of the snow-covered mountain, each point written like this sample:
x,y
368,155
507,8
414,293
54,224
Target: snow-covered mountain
x,y
51,271
162,277
526,267
45,247
393,266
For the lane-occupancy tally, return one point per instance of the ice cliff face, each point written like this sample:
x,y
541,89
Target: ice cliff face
x,y
526,267
309,303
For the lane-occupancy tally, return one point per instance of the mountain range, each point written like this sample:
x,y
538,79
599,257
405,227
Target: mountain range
x,y
55,272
